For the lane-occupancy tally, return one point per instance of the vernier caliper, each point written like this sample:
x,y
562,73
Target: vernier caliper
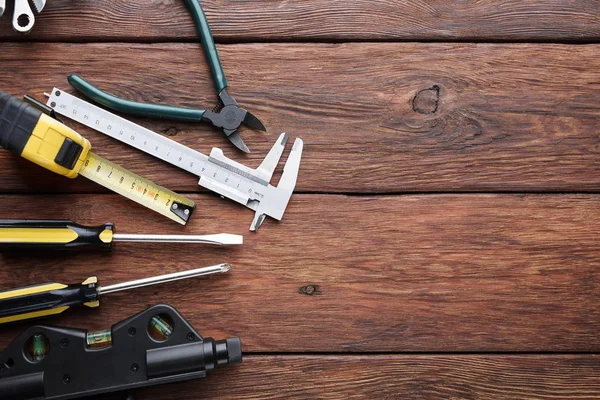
x,y
218,173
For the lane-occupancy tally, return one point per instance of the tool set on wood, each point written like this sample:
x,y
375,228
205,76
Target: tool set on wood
x,y
157,345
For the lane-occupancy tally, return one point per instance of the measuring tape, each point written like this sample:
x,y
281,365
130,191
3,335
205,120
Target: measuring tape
x,y
33,135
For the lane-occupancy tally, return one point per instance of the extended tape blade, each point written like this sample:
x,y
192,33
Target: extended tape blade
x,y
138,189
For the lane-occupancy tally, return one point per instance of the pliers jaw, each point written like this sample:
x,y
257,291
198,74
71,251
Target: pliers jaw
x,y
228,116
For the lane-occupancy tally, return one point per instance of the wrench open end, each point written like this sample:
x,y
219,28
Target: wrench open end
x,y
39,5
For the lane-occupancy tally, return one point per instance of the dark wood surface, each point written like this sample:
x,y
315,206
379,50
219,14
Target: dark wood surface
x,y
443,240
400,377
432,273
318,20
376,117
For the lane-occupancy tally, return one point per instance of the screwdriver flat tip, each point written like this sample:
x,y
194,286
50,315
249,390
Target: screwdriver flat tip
x,y
224,239
220,239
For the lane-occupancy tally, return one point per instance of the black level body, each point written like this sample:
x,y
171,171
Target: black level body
x,y
67,367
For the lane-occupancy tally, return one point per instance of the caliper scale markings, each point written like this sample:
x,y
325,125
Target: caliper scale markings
x,y
218,173
145,140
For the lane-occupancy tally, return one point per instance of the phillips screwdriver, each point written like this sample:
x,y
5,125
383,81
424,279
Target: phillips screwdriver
x,y
54,298
18,234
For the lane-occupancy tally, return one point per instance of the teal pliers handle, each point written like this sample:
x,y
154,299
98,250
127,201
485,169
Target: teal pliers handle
x,y
208,44
156,110
133,107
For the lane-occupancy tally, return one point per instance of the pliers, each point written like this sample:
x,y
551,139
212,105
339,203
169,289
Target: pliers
x,y
227,115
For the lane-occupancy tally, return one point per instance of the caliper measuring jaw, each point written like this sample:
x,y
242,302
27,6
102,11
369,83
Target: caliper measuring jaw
x,y
262,197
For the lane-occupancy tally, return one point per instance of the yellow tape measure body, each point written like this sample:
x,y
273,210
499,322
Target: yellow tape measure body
x,y
47,140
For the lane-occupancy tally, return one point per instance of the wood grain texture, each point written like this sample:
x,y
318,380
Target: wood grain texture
x,y
334,20
373,294
396,377
376,118
450,273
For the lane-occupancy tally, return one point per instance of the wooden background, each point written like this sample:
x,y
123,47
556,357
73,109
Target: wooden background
x,y
443,240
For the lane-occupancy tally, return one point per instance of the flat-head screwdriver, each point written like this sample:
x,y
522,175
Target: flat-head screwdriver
x,y
58,235
54,298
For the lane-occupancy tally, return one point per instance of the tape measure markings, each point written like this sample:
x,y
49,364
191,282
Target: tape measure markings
x,y
134,187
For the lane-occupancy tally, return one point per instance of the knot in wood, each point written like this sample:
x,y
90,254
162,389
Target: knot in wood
x,y
426,101
171,131
310,290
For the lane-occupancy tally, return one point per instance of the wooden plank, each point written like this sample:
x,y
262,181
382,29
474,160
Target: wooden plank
x,y
393,376
448,273
423,117
332,20
396,377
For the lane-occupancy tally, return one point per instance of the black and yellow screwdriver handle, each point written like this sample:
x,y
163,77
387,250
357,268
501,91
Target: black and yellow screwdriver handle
x,y
37,137
45,300
53,235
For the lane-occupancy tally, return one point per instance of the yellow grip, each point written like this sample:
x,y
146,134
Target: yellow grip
x,y
28,291
46,287
37,235
16,234
33,315
46,141
46,299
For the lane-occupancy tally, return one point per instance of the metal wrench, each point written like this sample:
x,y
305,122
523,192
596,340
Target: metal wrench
x,y
23,18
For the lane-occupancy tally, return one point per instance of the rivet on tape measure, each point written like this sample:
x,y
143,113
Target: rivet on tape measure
x,y
37,137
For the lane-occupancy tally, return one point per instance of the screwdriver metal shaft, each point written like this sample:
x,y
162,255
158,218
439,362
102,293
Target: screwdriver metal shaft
x,y
155,280
220,239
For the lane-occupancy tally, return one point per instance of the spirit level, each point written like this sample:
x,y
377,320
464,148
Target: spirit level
x,y
154,347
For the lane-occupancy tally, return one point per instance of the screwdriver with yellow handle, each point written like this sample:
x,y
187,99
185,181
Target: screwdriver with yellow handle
x,y
31,132
54,298
52,235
